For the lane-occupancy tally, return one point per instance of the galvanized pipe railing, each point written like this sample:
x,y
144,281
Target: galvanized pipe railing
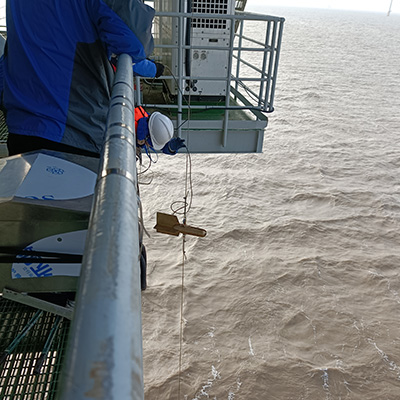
x,y
228,85
265,77
104,359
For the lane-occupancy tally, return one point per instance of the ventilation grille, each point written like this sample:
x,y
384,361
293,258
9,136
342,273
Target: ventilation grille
x,y
210,7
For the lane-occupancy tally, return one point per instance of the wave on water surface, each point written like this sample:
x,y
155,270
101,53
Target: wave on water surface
x,y
294,292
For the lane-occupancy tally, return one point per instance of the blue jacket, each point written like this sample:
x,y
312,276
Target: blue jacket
x,y
57,75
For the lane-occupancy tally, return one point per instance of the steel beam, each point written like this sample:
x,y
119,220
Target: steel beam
x,y
34,302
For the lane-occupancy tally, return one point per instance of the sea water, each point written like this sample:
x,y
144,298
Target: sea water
x,y
295,291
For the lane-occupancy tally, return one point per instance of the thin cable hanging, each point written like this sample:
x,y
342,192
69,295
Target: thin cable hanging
x,y
188,182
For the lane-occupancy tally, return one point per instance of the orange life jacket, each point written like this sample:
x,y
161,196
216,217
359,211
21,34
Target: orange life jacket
x,y
139,113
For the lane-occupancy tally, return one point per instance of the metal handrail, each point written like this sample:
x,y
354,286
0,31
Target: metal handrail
x,y
262,79
105,356
237,16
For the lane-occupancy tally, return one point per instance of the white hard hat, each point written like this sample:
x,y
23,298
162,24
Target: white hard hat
x,y
161,130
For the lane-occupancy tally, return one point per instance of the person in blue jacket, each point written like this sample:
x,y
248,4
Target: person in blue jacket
x,y
155,131
57,71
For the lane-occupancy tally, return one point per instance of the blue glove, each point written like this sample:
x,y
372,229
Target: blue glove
x,y
159,69
173,146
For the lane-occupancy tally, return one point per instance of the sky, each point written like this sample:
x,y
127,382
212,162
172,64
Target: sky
x,y
361,5
256,5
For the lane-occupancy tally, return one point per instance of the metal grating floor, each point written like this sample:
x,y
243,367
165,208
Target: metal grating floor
x,y
3,128
17,380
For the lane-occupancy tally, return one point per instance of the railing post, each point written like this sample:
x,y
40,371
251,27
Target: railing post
x,y
104,359
228,83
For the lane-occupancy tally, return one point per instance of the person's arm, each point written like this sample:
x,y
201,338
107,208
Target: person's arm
x,y
124,26
142,131
148,66
173,146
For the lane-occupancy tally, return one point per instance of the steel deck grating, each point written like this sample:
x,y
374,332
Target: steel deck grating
x,y
17,381
3,128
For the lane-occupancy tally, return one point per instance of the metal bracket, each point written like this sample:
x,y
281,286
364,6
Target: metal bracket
x,y
38,303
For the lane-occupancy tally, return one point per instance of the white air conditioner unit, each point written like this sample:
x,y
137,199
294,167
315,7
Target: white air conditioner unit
x,y
202,34
209,32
